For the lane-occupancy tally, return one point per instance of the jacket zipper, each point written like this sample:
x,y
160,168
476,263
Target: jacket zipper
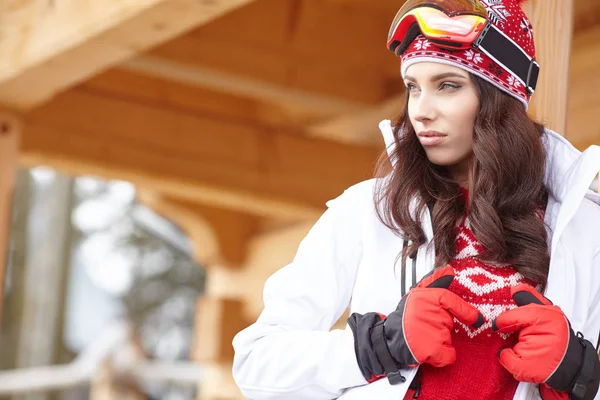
x,y
403,269
414,268
416,386
413,257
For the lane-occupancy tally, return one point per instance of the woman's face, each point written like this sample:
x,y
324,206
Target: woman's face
x,y
442,105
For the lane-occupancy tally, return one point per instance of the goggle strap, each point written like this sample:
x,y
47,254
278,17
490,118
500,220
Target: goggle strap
x,y
412,32
509,55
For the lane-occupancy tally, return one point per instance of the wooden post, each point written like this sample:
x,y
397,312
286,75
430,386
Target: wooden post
x,y
13,304
9,145
46,270
553,31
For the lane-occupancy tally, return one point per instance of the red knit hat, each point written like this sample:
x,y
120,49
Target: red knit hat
x,y
510,19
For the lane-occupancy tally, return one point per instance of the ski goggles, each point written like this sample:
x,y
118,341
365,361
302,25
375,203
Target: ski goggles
x,y
459,25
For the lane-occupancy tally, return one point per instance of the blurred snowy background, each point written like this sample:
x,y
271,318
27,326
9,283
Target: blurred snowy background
x,y
84,255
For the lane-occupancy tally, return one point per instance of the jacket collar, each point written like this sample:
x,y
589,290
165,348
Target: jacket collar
x,y
567,167
570,177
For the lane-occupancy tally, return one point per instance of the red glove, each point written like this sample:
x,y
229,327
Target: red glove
x,y
417,332
548,352
547,393
429,311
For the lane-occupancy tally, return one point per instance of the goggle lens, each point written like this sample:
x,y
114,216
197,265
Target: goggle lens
x,y
453,24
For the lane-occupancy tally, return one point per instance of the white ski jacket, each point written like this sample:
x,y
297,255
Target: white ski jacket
x,y
347,260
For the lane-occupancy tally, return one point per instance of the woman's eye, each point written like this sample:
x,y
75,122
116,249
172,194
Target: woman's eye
x,y
410,87
447,85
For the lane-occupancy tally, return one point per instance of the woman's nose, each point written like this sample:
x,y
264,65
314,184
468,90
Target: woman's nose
x,y
424,107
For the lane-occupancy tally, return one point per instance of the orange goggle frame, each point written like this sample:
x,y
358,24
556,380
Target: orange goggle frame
x,y
452,24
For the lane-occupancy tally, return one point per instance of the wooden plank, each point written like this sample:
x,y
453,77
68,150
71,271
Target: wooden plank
x,y
214,161
240,85
227,283
312,46
10,132
46,47
217,322
268,253
581,145
167,93
587,14
362,127
553,26
12,314
233,230
219,235
216,383
584,87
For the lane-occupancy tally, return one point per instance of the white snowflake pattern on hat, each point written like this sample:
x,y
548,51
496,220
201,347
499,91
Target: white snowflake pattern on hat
x,y
497,12
527,27
514,82
422,44
472,56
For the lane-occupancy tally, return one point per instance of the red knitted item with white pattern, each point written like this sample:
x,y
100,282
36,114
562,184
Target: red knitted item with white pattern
x,y
508,17
476,374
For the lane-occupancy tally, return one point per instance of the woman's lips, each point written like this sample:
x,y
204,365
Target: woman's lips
x,y
431,139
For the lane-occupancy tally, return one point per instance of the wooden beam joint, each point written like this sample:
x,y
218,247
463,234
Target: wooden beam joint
x,y
10,132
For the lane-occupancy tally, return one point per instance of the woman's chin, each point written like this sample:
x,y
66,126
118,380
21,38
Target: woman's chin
x,y
448,158
441,161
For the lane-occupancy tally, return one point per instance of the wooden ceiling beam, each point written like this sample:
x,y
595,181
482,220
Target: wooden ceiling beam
x,y
166,93
47,46
586,15
244,86
360,128
316,47
208,160
219,236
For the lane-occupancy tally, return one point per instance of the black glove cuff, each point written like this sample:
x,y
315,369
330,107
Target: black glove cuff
x,y
378,341
587,380
564,377
361,326
373,356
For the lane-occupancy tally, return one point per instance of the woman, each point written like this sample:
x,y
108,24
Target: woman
x,y
471,266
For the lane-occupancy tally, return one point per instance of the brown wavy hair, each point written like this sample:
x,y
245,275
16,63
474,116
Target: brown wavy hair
x,y
506,188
